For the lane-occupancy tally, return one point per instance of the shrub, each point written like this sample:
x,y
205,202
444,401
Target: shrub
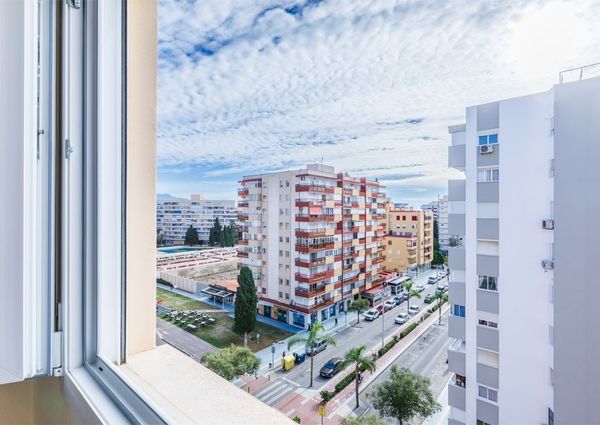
x,y
326,395
164,282
408,330
344,382
297,419
387,347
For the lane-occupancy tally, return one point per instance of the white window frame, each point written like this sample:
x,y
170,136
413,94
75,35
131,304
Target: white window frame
x,y
488,390
488,175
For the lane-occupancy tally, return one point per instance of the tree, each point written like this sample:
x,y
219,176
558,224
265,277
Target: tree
x,y
365,420
314,334
232,362
404,396
440,298
244,319
438,257
359,306
160,238
227,236
215,234
191,236
361,362
410,292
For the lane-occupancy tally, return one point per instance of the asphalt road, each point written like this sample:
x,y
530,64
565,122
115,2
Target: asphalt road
x,y
364,333
426,356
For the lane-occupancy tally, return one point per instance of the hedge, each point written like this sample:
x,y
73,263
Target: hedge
x,y
408,330
344,382
164,282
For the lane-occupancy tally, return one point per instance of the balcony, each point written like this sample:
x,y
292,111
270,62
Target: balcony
x,y
242,217
306,249
487,412
456,224
310,218
456,396
307,293
242,254
242,204
314,188
457,155
456,190
308,263
456,258
242,241
457,357
311,233
314,277
488,229
487,338
456,327
456,292
487,301
243,192
488,375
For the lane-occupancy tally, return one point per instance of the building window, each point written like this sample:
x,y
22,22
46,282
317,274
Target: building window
x,y
280,280
397,217
480,422
489,283
287,282
414,218
287,296
488,324
458,310
280,294
490,139
488,393
488,175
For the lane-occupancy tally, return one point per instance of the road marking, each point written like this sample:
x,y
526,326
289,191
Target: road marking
x,y
268,389
277,396
291,382
289,413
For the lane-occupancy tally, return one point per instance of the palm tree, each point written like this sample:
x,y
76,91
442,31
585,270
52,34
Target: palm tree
x,y
410,292
359,305
361,362
440,298
315,334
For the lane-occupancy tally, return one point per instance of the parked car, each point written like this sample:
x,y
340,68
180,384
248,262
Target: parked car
x,y
428,299
401,319
400,298
371,315
413,309
318,347
420,288
379,308
441,275
332,367
432,280
389,304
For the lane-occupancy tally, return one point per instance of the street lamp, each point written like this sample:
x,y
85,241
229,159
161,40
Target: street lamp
x,y
382,322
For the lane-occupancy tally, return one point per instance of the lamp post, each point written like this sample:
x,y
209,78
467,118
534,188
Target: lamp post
x,y
382,322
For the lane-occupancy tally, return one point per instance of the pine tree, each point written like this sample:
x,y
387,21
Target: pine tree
x,y
191,236
246,301
214,236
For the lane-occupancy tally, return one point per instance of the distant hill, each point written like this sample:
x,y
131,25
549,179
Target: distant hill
x,y
167,197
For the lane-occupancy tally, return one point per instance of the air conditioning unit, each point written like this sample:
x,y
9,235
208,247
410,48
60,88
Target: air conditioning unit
x,y
483,149
548,224
548,265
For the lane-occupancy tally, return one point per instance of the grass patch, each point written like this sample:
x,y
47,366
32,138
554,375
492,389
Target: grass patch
x,y
221,333
179,302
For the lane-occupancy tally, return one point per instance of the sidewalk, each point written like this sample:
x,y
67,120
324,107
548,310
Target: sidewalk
x,y
441,417
305,403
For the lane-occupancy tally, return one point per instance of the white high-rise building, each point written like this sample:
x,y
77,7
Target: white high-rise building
x,y
524,225
439,209
175,215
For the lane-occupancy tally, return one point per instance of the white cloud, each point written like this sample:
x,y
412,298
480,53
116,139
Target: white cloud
x,y
248,86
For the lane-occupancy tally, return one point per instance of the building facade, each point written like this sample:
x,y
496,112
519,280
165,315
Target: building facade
x,y
313,240
175,215
439,209
524,225
409,240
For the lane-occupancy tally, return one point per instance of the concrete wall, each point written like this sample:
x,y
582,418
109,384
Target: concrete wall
x,y
525,193
577,232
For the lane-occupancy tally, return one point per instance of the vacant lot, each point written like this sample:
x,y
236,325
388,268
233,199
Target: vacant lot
x,y
179,302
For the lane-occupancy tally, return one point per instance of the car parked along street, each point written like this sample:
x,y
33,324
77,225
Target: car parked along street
x,y
332,367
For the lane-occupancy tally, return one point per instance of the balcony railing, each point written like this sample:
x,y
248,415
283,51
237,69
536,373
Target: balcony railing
x,y
307,263
243,192
314,217
314,277
314,188
307,293
243,217
314,247
309,233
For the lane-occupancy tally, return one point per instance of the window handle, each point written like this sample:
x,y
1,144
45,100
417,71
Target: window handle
x,y
75,4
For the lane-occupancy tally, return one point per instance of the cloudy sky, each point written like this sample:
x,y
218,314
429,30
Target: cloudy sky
x,y
369,86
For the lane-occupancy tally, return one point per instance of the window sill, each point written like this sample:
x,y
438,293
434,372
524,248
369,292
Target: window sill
x,y
187,392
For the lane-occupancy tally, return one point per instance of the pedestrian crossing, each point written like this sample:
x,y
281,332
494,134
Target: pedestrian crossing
x,y
276,391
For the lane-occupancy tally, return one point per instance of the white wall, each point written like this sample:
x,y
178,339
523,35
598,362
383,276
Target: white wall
x,y
525,192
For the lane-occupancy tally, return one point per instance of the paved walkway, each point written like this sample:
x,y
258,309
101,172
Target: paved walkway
x,y
182,340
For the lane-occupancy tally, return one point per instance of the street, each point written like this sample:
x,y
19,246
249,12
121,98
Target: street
x,y
364,333
426,357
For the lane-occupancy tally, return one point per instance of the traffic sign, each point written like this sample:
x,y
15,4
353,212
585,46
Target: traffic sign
x,y
322,410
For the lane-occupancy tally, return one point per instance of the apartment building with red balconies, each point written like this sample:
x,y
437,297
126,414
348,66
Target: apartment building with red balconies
x,y
313,239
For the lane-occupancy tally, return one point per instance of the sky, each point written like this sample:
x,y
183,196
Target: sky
x,y
368,86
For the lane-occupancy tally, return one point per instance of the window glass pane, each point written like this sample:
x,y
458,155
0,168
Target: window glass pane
x,y
482,140
482,391
492,284
493,138
492,395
